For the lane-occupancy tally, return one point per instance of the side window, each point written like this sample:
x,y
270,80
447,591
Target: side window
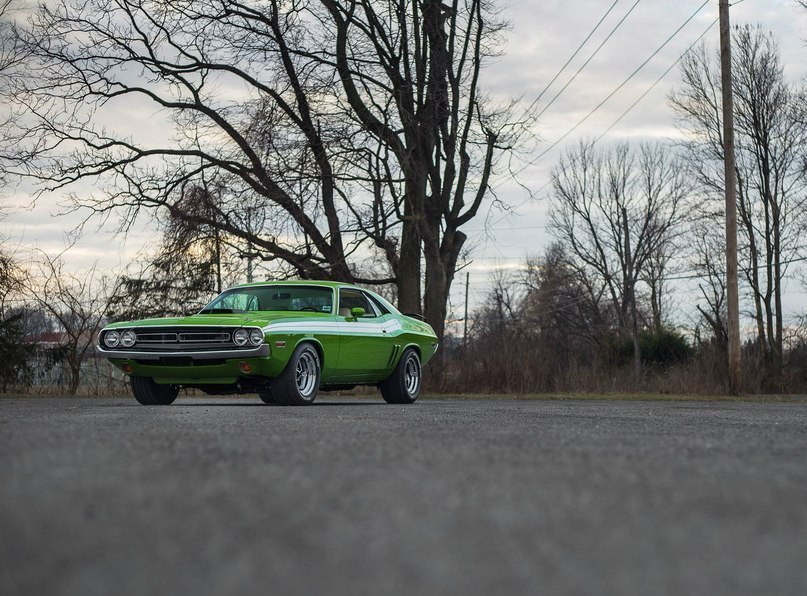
x,y
349,299
379,308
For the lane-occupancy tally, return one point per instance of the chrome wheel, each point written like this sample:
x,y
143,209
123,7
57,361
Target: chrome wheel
x,y
306,374
412,375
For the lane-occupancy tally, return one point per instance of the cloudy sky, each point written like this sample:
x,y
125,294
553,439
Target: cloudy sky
x,y
543,35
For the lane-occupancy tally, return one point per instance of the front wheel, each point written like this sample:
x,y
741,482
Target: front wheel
x,y
149,393
267,397
298,384
403,385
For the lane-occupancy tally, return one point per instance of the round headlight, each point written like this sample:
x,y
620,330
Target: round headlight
x,y
256,337
128,338
241,337
111,339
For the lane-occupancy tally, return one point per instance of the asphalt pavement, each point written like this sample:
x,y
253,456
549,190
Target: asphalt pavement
x,y
230,496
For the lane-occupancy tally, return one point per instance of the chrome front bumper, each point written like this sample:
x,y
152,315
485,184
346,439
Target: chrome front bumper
x,y
259,352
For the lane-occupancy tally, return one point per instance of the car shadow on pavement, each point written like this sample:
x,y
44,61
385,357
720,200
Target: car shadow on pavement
x,y
262,405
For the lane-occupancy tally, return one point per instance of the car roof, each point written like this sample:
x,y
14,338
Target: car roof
x,y
314,282
297,282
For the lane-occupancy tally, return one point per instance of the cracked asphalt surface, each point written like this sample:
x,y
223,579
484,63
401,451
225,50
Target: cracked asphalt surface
x,y
229,496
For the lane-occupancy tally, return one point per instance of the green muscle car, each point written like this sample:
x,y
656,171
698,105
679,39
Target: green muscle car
x,y
281,340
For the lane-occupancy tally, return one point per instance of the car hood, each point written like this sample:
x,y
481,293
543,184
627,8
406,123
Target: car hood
x,y
235,319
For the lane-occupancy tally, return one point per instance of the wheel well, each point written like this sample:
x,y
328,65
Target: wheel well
x,y
414,347
317,347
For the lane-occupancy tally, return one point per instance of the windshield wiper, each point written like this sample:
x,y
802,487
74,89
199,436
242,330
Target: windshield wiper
x,y
216,311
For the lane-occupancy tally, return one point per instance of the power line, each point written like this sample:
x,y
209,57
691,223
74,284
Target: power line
x,y
635,103
658,80
590,58
572,57
622,84
683,275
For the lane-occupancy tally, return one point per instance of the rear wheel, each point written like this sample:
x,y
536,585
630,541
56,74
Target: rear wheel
x,y
298,384
149,393
403,385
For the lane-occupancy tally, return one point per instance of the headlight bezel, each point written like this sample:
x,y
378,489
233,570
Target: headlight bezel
x,y
241,337
256,337
128,338
111,339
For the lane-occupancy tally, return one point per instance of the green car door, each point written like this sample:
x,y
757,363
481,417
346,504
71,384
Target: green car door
x,y
367,341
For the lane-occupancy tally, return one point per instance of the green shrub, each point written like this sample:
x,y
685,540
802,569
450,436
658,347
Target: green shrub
x,y
14,353
658,348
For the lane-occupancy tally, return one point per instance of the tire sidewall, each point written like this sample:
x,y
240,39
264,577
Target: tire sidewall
x,y
393,388
267,397
291,379
410,397
149,393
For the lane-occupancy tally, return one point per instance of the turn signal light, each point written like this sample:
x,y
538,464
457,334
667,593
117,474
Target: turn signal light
x,y
245,367
127,368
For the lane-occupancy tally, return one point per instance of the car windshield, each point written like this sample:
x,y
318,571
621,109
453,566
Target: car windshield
x,y
272,298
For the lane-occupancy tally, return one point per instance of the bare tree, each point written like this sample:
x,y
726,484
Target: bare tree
x,y
356,128
614,211
771,132
77,302
12,276
83,55
708,247
559,307
8,58
410,73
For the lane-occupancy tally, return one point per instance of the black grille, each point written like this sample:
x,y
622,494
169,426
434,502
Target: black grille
x,y
156,338
185,338
221,337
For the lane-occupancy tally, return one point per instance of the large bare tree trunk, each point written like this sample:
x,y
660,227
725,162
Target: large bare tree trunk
x,y
409,267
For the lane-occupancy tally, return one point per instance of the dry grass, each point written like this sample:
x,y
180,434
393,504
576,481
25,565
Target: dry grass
x,y
658,397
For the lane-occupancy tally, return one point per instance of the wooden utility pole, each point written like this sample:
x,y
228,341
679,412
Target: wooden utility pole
x,y
465,317
630,295
733,299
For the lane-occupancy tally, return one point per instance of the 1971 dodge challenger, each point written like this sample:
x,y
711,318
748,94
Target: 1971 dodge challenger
x,y
281,340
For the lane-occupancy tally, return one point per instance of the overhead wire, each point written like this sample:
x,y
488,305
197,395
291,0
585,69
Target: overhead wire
x,y
622,84
684,275
590,58
572,57
610,95
657,81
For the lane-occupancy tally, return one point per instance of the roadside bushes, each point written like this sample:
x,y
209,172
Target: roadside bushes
x,y
15,354
659,349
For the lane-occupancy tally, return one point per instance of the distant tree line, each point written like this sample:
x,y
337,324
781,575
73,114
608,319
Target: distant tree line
x,y
632,222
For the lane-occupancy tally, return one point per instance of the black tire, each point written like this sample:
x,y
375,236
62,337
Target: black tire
x,y
149,393
403,385
298,384
267,397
